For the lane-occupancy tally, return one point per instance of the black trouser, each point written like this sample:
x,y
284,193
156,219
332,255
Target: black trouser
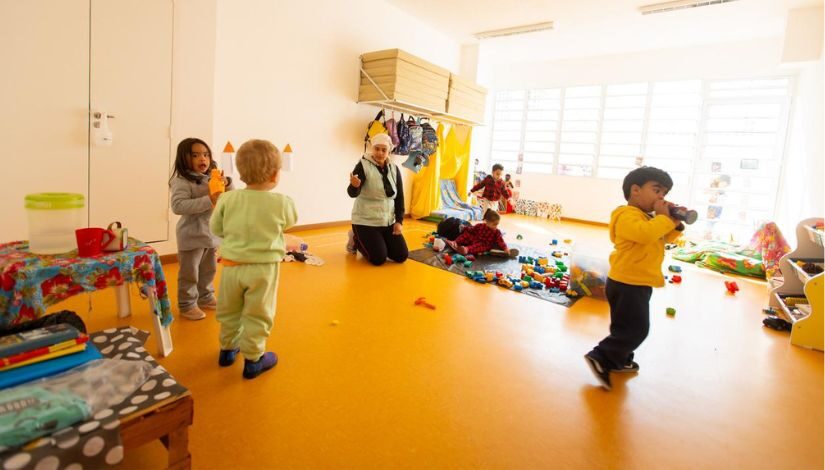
x,y
629,323
378,243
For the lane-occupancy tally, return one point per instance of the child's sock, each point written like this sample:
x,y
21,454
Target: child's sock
x,y
227,357
252,369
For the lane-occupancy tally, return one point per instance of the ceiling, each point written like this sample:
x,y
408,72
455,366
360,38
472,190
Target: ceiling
x,y
598,27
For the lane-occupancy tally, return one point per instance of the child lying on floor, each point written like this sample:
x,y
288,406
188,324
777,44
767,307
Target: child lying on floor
x,y
483,237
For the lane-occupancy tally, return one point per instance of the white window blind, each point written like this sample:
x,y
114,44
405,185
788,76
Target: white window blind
x,y
722,141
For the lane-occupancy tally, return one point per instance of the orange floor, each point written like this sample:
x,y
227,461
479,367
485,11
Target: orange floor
x,y
491,378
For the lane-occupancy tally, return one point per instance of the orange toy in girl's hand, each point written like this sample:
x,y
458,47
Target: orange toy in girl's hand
x,y
216,184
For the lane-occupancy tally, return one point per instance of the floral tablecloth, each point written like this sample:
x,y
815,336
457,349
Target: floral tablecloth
x,y
30,283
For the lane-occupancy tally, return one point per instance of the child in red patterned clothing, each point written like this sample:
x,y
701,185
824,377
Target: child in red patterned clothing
x,y
481,238
494,189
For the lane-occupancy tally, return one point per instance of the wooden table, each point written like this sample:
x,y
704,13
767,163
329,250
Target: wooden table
x,y
168,421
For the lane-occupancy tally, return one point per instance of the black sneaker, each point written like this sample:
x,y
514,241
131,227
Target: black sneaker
x,y
630,367
602,373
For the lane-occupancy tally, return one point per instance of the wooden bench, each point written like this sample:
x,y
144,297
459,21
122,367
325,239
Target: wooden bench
x,y
168,421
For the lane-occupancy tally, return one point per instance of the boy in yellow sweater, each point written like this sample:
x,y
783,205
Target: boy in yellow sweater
x,y
635,268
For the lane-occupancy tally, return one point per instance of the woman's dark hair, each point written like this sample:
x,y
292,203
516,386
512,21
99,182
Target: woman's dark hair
x,y
491,216
182,160
642,175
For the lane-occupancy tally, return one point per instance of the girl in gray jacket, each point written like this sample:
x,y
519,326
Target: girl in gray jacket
x,y
197,247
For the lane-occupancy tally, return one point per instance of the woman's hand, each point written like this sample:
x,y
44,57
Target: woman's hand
x,y
354,180
223,178
396,229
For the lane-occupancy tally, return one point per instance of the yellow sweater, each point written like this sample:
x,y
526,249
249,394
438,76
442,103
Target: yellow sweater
x,y
639,242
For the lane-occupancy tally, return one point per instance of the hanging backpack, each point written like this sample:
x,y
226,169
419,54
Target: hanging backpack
x,y
392,131
429,139
403,133
416,136
374,127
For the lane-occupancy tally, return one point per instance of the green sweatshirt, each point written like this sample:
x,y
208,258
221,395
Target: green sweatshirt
x,y
251,224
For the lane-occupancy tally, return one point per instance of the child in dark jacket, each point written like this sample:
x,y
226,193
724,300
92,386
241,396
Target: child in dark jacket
x,y
481,238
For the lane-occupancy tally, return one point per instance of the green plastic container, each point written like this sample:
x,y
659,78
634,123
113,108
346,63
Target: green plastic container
x,y
53,218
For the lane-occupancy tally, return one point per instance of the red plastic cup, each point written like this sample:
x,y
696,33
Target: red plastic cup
x,y
90,241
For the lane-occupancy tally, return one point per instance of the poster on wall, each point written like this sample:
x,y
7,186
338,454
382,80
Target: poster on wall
x,y
519,168
715,167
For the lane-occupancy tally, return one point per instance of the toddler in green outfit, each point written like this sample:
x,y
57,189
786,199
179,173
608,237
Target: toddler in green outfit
x,y
251,223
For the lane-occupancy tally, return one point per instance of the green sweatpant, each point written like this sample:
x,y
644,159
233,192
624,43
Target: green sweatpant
x,y
246,307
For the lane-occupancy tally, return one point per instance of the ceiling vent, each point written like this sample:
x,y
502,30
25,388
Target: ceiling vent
x,y
679,5
528,28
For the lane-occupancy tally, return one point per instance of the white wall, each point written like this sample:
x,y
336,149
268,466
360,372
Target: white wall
x,y
288,72
193,83
593,198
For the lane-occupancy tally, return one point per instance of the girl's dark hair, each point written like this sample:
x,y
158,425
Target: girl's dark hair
x,y
491,216
642,175
182,160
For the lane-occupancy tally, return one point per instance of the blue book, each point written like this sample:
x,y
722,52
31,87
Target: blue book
x,y
13,377
40,337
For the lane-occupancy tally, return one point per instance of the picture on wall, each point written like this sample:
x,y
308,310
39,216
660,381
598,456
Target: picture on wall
x,y
749,164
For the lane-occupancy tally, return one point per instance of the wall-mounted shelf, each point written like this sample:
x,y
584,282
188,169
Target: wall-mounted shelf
x,y
408,108
396,80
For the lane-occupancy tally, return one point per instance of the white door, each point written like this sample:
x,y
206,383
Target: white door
x,y
131,79
44,98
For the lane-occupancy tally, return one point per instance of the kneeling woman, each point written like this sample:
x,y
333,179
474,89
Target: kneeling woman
x,y
378,212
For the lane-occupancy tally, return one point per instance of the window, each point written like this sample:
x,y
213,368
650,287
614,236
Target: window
x,y
673,132
579,136
623,126
508,126
722,141
737,172
541,130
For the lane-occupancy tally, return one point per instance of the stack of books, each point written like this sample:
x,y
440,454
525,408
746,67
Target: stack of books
x,y
42,352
